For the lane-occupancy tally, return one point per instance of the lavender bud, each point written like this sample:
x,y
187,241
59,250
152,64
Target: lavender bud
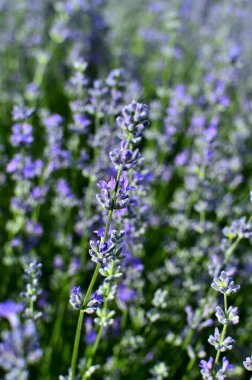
x,y
134,117
94,303
76,298
101,253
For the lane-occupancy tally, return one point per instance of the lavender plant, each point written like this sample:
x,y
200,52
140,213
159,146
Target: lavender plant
x,y
132,222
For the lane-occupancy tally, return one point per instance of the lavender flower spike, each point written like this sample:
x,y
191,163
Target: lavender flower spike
x,y
134,117
114,195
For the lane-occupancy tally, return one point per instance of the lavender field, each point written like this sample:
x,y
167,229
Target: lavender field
x,y
126,190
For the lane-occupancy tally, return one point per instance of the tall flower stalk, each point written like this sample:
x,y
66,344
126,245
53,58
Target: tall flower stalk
x,y
114,195
227,315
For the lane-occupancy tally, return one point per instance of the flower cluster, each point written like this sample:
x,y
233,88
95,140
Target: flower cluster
x,y
21,134
123,159
225,284
110,199
207,369
218,342
231,316
239,228
134,118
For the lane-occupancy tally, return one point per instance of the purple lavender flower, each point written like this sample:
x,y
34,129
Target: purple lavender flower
x,y
182,158
76,297
116,86
33,229
101,231
18,350
124,159
58,262
97,103
52,122
215,340
198,319
122,198
80,124
230,317
240,228
21,134
125,294
10,310
115,78
248,363
38,194
23,167
206,368
90,334
101,252
134,118
94,303
225,284
20,113
65,194
222,372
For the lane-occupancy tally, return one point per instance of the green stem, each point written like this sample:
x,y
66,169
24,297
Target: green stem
x,y
221,341
80,322
31,308
188,338
98,338
225,304
231,249
76,344
223,334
